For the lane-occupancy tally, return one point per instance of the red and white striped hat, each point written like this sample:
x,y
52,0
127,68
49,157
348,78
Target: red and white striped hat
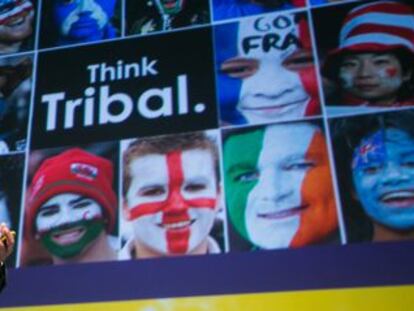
x,y
379,27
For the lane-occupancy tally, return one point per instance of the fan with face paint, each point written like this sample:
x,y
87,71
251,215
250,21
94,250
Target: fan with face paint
x,y
71,207
280,194
265,69
172,194
68,224
373,64
383,178
83,20
16,24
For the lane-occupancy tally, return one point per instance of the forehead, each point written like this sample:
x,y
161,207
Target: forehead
x,y
267,35
380,144
372,56
192,161
285,140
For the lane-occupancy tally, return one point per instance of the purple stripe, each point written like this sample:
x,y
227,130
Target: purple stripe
x,y
288,270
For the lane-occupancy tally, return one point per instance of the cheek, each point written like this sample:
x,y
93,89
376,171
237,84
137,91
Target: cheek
x,y
391,72
363,185
107,6
391,77
317,188
347,78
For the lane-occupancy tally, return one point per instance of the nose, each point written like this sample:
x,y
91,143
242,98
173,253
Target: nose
x,y
365,68
176,203
273,186
85,5
281,79
63,217
393,174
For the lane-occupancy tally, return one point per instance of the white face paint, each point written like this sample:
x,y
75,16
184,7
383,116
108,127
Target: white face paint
x,y
16,19
4,211
163,198
97,13
273,92
66,208
274,205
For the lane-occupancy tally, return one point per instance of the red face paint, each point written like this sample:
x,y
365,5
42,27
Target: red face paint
x,y
175,209
391,72
15,10
308,74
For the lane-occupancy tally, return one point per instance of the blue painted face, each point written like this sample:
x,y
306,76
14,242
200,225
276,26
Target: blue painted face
x,y
82,20
383,175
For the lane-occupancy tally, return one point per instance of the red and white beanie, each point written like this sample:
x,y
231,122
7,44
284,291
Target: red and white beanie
x,y
73,171
376,27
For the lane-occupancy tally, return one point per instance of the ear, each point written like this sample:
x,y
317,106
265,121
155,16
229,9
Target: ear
x,y
218,200
407,76
125,210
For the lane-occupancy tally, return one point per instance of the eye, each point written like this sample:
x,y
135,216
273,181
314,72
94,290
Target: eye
x,y
151,191
300,165
49,211
240,68
194,187
82,204
371,170
408,163
299,60
349,64
247,177
381,61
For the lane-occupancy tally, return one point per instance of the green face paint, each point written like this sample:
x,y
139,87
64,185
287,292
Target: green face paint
x,y
92,230
241,154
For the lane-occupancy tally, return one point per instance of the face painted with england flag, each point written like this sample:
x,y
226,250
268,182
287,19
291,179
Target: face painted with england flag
x,y
68,223
279,193
383,175
172,199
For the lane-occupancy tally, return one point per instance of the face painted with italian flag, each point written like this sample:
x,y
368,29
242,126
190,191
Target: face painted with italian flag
x,y
278,186
172,199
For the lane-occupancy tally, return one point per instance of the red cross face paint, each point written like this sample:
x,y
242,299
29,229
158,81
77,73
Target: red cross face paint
x,y
172,200
375,78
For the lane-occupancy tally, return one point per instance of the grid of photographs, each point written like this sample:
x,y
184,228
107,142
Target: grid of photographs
x,y
141,129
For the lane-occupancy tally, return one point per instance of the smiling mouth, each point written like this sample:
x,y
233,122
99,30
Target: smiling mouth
x,y
283,214
180,225
403,198
69,236
169,3
16,21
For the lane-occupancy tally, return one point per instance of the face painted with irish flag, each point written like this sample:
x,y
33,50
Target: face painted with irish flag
x,y
278,186
172,199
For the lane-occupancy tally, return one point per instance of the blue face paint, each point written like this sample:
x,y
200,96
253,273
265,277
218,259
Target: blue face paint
x,y
228,87
383,175
256,81
84,20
